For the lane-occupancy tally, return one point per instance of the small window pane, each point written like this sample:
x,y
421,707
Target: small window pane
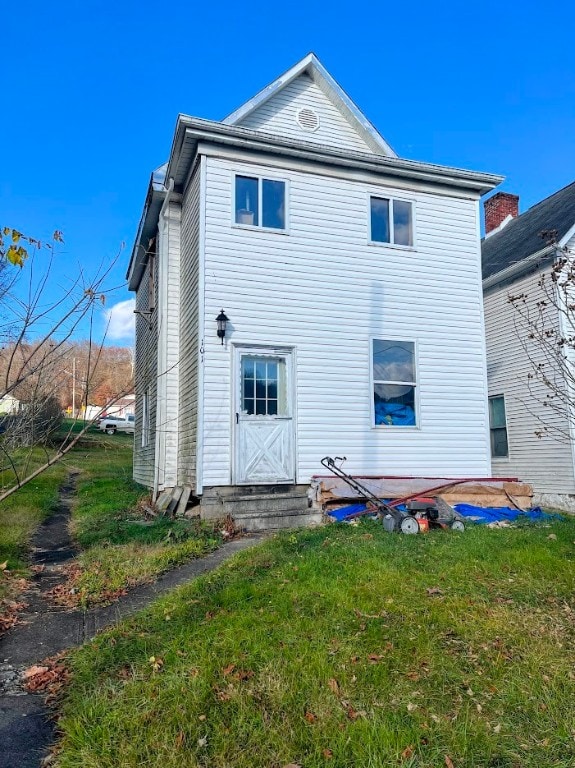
x,y
272,389
402,226
248,388
272,407
260,407
260,369
248,367
394,404
499,447
248,406
260,387
393,360
380,220
497,412
246,200
273,204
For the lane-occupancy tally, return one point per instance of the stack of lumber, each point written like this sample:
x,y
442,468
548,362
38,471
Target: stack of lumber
x,y
330,492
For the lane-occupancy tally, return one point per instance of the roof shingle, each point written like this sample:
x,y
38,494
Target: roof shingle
x,y
521,237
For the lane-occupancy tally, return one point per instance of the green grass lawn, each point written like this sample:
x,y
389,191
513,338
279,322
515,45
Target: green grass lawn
x,y
117,552
344,646
20,515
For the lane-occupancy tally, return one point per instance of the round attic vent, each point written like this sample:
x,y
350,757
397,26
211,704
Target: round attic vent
x,y
308,119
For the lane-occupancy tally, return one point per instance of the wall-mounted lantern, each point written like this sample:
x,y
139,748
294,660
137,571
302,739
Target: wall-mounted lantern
x,y
221,320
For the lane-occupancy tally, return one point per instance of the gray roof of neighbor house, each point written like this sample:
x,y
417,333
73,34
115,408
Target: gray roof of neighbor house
x,y
521,237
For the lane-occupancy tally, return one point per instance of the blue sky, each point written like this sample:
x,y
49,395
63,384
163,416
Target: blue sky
x,y
91,91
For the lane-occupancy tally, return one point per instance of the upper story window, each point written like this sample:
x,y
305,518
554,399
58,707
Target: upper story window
x,y
260,202
394,382
391,221
498,427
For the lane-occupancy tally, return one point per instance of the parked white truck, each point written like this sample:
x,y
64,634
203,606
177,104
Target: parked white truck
x,y
112,424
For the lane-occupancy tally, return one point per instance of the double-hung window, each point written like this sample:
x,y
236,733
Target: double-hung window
x,y
498,427
260,202
394,383
391,221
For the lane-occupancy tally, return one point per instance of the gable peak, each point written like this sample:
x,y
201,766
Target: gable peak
x,y
311,67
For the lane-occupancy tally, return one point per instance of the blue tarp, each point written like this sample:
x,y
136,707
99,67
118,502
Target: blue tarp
x,y
498,514
479,515
341,513
394,413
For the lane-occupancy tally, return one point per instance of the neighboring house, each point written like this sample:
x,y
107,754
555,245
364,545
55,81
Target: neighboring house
x,y
528,438
9,405
351,284
124,407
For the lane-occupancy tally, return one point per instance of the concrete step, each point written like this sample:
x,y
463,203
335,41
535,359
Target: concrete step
x,y
265,503
289,518
223,491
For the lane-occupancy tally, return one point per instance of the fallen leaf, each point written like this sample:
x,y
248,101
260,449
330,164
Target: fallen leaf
x,y
243,674
202,741
407,753
497,729
4,565
292,765
310,717
434,591
449,762
551,536
33,671
228,670
415,676
334,685
202,717
411,707
180,738
327,753
375,657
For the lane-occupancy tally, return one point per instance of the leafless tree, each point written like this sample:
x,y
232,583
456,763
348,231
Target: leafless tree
x,y
37,328
545,331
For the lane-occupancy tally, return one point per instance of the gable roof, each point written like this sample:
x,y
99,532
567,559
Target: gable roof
x,y
311,66
521,237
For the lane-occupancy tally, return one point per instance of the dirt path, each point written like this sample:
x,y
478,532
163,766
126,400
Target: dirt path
x,y
25,727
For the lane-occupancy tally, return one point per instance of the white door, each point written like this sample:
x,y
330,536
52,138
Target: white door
x,y
264,440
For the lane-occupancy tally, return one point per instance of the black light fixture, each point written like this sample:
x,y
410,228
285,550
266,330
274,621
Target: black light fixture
x,y
221,320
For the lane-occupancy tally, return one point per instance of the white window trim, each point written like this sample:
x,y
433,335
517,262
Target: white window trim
x,y
381,195
416,385
260,178
498,458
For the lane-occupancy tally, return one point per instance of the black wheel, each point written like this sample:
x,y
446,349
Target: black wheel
x,y
110,430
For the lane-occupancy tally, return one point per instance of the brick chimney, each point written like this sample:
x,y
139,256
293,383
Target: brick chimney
x,y
498,208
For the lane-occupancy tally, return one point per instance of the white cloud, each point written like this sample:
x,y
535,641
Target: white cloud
x,y
120,321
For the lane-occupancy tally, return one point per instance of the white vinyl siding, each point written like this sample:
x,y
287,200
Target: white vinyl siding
x,y
189,320
168,320
146,362
535,456
325,291
279,116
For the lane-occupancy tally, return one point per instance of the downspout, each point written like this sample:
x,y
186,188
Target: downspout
x,y
162,282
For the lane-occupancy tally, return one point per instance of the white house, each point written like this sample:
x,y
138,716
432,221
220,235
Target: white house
x,y
532,433
351,284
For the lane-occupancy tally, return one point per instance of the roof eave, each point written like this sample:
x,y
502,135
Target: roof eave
x,y
194,130
146,229
520,268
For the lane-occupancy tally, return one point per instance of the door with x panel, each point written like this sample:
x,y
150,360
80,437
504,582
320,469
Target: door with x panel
x,y
264,440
